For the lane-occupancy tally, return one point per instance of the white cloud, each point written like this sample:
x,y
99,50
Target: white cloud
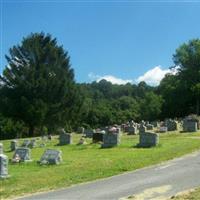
x,y
151,77
155,75
110,78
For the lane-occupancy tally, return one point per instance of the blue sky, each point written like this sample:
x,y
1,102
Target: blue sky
x,y
119,41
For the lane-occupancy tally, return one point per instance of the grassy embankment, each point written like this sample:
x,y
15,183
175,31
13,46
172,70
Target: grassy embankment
x,y
89,162
193,195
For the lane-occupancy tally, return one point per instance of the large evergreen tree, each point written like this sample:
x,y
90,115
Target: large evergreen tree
x,y
38,86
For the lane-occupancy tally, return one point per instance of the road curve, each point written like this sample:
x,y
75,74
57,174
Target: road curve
x,y
160,181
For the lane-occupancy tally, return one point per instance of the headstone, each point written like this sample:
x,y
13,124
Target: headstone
x,y
126,128
26,143
51,156
80,130
13,145
1,148
142,129
98,136
149,127
142,123
132,130
88,133
163,129
132,123
3,166
32,143
113,130
22,154
171,125
65,138
148,139
110,140
146,123
190,125
155,124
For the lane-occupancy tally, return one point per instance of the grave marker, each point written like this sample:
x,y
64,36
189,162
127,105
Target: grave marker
x,y
22,154
32,143
189,126
88,133
65,138
163,129
110,140
142,129
3,166
98,136
149,127
13,145
51,156
148,139
26,143
1,148
132,130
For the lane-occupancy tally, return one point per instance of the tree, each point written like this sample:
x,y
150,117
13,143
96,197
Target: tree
x,y
176,102
150,106
126,108
38,86
187,57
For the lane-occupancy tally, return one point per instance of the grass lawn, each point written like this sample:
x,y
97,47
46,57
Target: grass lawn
x,y
194,195
89,162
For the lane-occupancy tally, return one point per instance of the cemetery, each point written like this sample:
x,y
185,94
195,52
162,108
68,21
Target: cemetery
x,y
99,153
127,107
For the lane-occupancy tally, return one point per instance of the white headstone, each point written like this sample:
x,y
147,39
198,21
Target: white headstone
x,y
3,166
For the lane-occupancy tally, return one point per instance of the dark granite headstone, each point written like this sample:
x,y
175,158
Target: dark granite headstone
x,y
51,156
23,153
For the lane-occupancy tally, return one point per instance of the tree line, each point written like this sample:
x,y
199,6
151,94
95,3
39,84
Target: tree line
x,y
38,93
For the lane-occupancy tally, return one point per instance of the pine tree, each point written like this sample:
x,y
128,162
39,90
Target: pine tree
x,y
38,86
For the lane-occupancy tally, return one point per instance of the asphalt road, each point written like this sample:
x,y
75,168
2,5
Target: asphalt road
x,y
156,182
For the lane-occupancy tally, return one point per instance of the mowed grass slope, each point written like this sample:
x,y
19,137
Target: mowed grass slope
x,y
89,162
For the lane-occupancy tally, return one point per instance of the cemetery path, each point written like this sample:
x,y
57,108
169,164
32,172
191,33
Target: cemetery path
x,y
155,182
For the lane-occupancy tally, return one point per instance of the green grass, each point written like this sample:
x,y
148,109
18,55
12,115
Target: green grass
x,y
194,195
89,162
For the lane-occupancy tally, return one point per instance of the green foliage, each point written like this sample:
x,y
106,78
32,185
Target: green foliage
x,y
38,85
187,57
10,129
38,88
150,106
105,103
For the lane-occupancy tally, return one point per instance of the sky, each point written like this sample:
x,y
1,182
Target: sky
x,y
120,41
